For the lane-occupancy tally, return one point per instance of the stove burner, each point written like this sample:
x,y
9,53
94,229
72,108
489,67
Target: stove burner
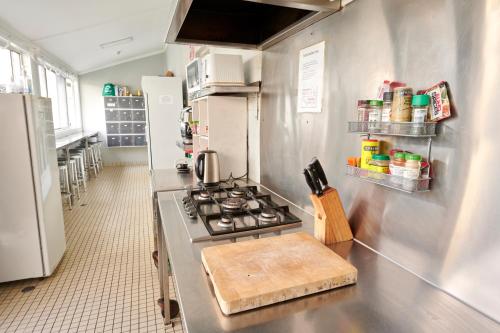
x,y
268,215
204,196
233,204
225,222
237,193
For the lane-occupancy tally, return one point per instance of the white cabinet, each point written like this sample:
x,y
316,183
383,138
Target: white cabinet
x,y
222,126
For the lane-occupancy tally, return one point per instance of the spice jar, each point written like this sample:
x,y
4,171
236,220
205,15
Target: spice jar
x,y
411,171
420,110
386,112
363,114
396,167
368,149
374,114
380,163
401,105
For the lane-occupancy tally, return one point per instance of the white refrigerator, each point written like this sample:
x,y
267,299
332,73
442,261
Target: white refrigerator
x,y
163,96
32,240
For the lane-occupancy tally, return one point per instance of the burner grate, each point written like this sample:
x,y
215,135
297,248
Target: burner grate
x,y
228,211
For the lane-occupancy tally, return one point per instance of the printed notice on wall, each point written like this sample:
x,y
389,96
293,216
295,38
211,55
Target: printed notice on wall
x,y
311,66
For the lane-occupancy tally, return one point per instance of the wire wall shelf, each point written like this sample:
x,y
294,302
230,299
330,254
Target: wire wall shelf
x,y
394,182
407,129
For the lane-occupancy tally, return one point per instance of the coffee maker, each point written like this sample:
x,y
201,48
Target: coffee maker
x,y
185,120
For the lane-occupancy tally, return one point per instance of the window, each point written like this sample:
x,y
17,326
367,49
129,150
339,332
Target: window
x,y
52,94
43,81
5,67
13,74
73,109
16,67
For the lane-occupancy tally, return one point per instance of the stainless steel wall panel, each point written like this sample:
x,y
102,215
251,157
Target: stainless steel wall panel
x,y
449,236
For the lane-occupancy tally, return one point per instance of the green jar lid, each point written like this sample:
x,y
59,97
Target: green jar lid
x,y
376,102
420,100
413,157
400,155
381,157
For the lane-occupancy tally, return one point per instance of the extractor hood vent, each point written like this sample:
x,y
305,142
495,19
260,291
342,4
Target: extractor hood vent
x,y
249,24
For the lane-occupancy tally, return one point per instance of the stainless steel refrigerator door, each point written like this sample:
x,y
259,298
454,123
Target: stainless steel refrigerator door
x,y
46,178
20,255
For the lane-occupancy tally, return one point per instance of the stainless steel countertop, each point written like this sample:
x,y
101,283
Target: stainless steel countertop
x,y
386,297
72,138
171,180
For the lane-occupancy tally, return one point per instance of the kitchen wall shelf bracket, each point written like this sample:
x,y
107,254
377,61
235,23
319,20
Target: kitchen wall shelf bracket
x,y
390,181
406,129
224,90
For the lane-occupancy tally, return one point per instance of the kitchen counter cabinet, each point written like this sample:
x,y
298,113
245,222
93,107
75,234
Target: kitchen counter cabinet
x,y
386,298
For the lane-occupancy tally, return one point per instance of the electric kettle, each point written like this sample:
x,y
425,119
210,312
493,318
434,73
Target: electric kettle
x,y
207,167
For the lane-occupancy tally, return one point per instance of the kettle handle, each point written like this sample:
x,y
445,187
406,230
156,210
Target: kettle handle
x,y
198,168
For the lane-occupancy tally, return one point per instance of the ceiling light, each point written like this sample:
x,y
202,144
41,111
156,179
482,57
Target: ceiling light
x,y
117,42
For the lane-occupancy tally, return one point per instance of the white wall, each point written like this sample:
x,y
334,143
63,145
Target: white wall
x,y
128,74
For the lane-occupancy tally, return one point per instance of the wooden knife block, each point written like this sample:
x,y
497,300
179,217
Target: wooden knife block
x,y
330,223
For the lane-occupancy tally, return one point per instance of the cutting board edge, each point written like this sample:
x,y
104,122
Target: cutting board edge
x,y
228,307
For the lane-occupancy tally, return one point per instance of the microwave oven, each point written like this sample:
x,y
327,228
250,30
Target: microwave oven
x,y
222,70
194,76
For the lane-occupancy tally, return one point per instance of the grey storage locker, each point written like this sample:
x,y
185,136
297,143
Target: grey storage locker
x,y
138,115
113,128
110,102
126,128
124,102
112,115
125,115
127,140
139,128
138,102
139,140
125,121
114,141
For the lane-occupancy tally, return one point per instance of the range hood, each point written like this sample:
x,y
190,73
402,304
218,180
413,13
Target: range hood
x,y
244,23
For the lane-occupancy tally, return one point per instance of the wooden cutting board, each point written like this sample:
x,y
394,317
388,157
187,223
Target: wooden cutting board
x,y
264,271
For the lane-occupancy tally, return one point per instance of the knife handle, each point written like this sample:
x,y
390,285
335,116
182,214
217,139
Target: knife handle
x,y
318,168
315,181
309,181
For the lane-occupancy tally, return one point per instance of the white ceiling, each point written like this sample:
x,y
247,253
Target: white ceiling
x,y
73,30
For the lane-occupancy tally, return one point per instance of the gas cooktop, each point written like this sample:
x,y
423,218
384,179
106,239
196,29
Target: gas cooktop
x,y
229,212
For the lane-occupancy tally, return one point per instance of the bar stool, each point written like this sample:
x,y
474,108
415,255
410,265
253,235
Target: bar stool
x,y
64,183
73,176
80,169
82,152
90,160
96,148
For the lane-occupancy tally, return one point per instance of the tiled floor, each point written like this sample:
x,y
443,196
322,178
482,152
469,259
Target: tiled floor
x,y
106,281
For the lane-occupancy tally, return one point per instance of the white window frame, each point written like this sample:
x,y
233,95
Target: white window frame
x,y
72,114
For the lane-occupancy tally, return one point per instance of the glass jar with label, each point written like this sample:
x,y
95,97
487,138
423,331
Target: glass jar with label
x,y
363,114
374,115
386,112
420,110
396,167
411,171
380,163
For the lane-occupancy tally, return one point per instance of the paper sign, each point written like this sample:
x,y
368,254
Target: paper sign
x,y
311,67
166,99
